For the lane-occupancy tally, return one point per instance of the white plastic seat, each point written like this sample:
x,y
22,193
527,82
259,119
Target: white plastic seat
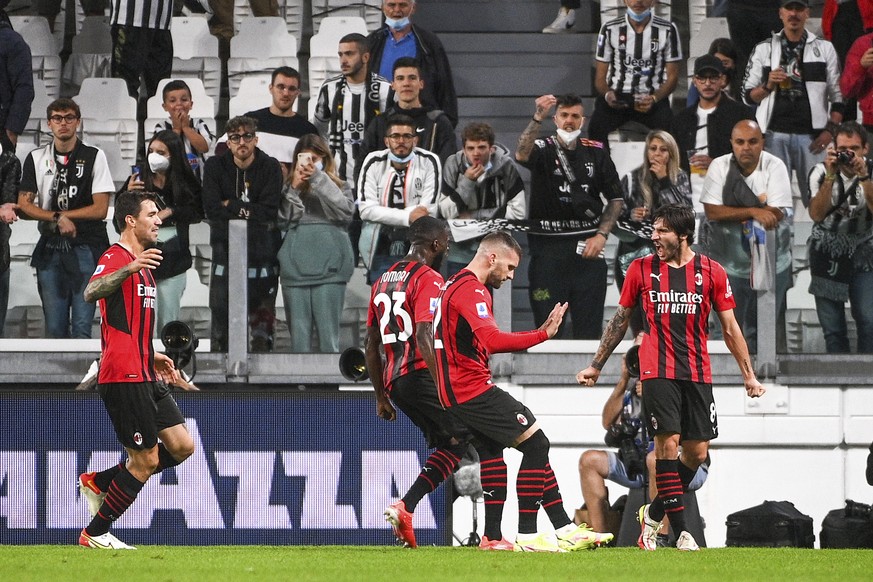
x,y
109,116
36,129
338,26
291,11
323,61
262,45
627,155
710,29
45,61
253,93
369,10
92,53
195,53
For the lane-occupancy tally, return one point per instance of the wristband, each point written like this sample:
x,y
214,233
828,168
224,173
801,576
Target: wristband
x,y
535,120
56,216
831,177
603,234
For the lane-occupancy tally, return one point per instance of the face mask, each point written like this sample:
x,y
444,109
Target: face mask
x,y
399,160
568,137
484,175
639,17
319,166
158,163
397,24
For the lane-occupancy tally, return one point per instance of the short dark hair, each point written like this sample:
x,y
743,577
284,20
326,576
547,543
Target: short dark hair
x,y
407,63
175,85
850,129
503,239
285,72
399,119
426,229
62,104
567,100
241,122
477,132
129,203
359,39
678,218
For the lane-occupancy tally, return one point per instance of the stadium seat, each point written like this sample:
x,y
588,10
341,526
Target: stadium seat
x,y
109,117
91,56
610,9
195,53
43,51
36,130
263,44
627,155
291,11
253,93
710,29
338,26
369,10
204,106
323,62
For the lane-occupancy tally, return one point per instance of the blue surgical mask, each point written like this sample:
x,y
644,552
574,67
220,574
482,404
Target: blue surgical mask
x,y
399,160
639,17
397,24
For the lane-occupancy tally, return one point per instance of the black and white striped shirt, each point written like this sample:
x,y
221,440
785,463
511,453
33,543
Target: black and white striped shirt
x,y
638,62
342,113
154,14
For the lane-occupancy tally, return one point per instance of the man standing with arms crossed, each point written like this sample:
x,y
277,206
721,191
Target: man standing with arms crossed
x,y
132,375
677,288
465,335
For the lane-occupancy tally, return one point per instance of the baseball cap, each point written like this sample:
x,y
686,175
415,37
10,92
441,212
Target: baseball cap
x,y
785,3
708,63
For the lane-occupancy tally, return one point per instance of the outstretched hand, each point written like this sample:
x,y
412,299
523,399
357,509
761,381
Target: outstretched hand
x,y
166,369
148,259
553,321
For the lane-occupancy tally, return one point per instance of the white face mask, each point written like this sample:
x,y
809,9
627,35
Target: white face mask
x,y
399,160
568,137
158,163
319,165
397,24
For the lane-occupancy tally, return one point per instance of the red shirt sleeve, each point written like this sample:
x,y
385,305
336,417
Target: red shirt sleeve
x,y
476,309
722,295
112,260
427,291
633,285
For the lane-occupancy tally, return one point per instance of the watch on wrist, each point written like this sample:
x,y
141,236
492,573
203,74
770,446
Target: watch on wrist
x,y
56,216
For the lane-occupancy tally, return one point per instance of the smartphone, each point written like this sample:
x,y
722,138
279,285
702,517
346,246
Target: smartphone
x,y
134,170
304,158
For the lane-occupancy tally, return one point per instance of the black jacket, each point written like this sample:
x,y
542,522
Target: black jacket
x,y
439,88
16,79
718,128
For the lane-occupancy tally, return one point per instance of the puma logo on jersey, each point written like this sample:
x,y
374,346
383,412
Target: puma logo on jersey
x,y
482,291
654,276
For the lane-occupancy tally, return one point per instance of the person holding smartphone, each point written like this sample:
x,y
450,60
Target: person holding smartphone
x,y
314,212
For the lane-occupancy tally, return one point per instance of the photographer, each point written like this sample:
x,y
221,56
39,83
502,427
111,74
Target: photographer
x,y
840,246
622,418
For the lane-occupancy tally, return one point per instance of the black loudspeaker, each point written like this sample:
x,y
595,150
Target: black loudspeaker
x,y
353,365
773,524
848,527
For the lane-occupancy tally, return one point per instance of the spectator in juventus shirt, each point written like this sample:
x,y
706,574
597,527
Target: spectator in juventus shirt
x,y
638,58
465,335
674,362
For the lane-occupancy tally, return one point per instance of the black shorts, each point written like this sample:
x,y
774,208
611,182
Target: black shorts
x,y
494,416
416,395
139,411
680,407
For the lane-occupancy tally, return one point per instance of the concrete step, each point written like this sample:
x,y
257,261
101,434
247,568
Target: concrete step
x,y
500,15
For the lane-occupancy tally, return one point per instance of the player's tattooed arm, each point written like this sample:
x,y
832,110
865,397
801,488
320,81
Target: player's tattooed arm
x,y
612,335
106,286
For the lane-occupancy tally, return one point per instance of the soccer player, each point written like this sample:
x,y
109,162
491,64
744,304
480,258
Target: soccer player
x,y
400,323
465,335
132,375
677,288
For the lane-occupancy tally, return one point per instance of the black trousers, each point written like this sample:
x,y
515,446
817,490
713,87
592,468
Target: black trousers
x,y
605,119
141,53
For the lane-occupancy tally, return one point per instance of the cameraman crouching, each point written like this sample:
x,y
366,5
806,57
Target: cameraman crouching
x,y
622,419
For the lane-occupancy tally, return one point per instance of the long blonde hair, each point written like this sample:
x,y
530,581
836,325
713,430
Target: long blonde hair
x,y
647,180
316,144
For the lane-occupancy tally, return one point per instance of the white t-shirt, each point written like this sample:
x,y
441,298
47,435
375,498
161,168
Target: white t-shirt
x,y
770,177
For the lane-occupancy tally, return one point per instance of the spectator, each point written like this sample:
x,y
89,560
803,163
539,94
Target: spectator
x,y
703,131
10,176
750,22
857,79
658,181
178,198
396,186
724,50
400,38
571,178
840,247
16,79
142,46
746,187
66,187
843,22
316,258
479,182
432,126
793,98
197,136
639,88
565,19
347,103
244,183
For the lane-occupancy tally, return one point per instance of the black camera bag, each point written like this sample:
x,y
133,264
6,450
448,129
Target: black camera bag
x,y
773,524
839,530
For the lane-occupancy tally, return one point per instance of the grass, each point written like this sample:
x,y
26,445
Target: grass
x,y
340,563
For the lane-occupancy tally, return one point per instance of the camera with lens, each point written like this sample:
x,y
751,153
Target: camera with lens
x,y
845,157
622,436
632,361
855,509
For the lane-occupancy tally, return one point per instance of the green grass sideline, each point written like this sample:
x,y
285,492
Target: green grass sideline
x,y
341,563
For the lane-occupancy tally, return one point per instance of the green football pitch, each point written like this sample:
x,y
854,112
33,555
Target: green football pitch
x,y
340,563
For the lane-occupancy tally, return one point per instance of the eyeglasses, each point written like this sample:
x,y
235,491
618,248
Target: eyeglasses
x,y
289,88
237,137
61,118
704,80
401,136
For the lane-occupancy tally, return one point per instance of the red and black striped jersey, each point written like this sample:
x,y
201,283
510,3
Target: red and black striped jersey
x,y
677,302
404,296
465,335
127,322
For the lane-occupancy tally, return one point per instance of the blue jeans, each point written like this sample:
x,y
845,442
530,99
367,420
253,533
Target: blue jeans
x,y
747,309
793,149
832,316
61,286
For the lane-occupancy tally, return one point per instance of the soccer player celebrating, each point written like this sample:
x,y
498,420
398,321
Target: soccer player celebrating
x,y
677,288
400,323
132,375
465,335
